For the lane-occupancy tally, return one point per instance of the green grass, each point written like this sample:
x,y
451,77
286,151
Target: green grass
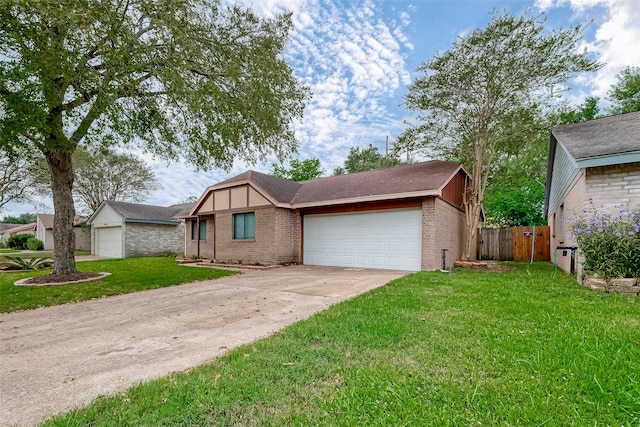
x,y
462,349
127,275
7,251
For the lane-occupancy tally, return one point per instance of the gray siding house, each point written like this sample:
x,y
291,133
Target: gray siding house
x,y
595,162
121,229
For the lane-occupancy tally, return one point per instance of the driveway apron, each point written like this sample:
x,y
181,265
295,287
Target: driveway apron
x,y
54,359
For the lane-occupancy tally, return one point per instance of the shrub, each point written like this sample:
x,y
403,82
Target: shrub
x,y
18,263
19,241
35,244
610,243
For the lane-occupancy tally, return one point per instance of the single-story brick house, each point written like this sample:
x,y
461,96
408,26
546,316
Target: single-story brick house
x,y
8,230
396,218
597,162
44,232
121,229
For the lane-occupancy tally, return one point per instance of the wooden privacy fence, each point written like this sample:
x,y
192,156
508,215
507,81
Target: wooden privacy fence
x,y
515,243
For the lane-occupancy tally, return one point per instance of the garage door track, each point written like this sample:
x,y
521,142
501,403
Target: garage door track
x,y
56,358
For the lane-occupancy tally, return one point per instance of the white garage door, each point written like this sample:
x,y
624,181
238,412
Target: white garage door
x,y
381,239
109,242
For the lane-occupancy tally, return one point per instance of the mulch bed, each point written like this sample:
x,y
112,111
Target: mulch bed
x,y
49,279
495,266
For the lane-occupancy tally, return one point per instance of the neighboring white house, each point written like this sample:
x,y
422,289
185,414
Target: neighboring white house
x,y
597,162
121,229
44,232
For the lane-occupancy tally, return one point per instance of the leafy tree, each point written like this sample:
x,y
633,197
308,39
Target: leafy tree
x,y
625,93
299,170
24,218
515,192
364,159
105,175
476,100
587,111
175,77
19,178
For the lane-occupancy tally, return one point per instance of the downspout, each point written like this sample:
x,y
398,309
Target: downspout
x,y
215,235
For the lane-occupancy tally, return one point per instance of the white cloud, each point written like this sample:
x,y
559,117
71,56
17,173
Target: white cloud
x,y
615,40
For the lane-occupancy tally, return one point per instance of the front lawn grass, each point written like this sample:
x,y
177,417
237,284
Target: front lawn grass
x,y
468,348
127,275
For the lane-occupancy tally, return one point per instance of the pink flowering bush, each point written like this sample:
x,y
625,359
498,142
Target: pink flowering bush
x,y
610,243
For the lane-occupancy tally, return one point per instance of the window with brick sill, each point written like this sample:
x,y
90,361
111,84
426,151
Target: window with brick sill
x,y
244,226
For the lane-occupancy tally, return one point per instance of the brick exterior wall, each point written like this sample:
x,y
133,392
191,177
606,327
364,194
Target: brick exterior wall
x,y
450,229
612,185
605,185
152,239
288,236
83,238
277,238
442,228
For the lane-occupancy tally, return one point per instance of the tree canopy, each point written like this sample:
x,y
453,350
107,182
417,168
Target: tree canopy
x,y
625,93
299,170
177,78
364,159
25,218
478,99
20,178
105,175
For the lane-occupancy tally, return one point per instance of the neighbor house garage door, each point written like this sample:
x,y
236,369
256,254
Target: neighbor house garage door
x,y
109,242
373,239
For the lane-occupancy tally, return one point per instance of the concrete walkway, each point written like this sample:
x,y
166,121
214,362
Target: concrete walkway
x,y
56,358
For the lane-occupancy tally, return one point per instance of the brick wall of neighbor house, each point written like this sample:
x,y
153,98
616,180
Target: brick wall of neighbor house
x,y
259,250
83,238
613,185
450,231
143,239
206,246
571,202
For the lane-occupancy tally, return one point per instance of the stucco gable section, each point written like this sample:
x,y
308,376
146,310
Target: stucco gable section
x,y
232,195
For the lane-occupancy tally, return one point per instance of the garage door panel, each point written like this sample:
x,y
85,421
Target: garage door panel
x,y
379,239
109,242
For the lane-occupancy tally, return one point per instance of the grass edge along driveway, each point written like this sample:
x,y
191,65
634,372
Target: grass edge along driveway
x,y
127,275
466,348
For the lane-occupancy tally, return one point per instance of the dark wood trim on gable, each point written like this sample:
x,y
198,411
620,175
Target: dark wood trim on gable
x,y
453,192
365,206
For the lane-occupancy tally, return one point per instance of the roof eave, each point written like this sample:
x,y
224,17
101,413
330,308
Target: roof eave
x,y
152,221
373,198
609,159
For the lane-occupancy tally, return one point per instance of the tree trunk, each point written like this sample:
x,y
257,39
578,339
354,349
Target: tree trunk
x,y
63,236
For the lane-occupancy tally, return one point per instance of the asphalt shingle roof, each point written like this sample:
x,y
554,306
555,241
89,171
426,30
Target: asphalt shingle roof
x,y
601,137
418,177
136,211
425,176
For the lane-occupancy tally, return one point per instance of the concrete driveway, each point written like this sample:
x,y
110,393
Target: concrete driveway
x,y
56,358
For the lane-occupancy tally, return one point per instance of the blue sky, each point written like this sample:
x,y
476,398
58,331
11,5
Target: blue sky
x,y
359,56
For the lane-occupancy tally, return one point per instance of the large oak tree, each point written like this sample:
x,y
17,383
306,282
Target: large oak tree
x,y
177,78
475,100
